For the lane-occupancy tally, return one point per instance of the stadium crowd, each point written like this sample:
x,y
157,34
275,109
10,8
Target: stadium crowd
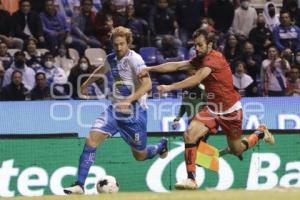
x,y
44,44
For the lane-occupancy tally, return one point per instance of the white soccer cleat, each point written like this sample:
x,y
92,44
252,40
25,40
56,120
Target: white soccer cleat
x,y
268,137
187,184
74,189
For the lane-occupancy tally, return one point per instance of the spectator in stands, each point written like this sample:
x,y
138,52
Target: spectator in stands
x,y
222,13
168,52
296,60
5,58
104,26
96,7
38,6
54,74
119,11
41,91
6,34
188,14
15,91
79,74
56,29
139,28
232,49
273,73
64,60
252,61
68,8
2,71
293,85
143,8
20,65
243,83
162,21
288,55
294,11
271,15
27,24
244,19
208,24
286,35
261,37
33,56
83,27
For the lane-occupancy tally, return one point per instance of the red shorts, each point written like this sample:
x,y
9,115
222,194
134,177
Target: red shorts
x,y
230,123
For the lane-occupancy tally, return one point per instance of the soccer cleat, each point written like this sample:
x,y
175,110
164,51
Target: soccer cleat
x,y
75,188
164,151
268,137
187,184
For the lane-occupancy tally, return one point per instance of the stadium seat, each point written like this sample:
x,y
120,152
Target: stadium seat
x,y
183,53
74,54
149,55
96,56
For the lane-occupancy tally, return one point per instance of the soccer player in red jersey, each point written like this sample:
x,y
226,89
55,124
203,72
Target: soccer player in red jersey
x,y
224,108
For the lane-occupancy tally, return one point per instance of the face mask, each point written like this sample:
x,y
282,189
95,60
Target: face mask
x,y
19,63
49,64
245,5
272,13
83,66
204,26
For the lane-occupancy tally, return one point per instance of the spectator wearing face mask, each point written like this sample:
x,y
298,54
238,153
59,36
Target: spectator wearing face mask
x,y
271,15
54,74
260,37
20,64
79,74
244,19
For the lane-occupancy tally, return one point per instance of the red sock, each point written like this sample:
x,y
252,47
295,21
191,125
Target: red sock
x,y
190,160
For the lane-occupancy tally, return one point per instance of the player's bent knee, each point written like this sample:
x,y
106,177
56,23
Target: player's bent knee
x,y
194,132
95,138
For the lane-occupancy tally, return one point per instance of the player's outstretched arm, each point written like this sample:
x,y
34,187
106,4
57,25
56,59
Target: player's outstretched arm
x,y
145,86
188,82
92,78
167,67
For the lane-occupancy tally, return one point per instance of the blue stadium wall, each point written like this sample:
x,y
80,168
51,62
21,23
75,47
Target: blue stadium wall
x,y
50,117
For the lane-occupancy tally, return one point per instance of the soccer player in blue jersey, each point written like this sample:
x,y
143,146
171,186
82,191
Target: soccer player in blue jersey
x,y
127,114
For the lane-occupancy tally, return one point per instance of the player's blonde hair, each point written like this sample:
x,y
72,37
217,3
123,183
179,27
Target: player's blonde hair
x,y
121,31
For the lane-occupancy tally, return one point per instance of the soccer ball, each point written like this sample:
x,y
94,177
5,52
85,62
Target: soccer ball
x,y
107,184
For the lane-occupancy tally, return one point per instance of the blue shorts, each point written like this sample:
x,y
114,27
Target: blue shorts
x,y
132,128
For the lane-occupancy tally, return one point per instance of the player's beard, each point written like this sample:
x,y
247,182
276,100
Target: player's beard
x,y
202,54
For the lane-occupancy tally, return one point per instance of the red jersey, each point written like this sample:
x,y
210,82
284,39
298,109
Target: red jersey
x,y
218,84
